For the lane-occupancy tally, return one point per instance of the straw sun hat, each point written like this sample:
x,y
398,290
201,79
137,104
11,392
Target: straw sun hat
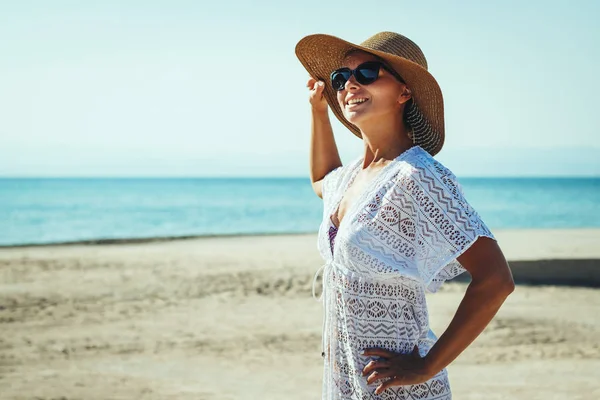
x,y
320,54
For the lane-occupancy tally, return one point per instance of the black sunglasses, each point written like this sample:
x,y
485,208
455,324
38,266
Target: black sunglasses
x,y
365,74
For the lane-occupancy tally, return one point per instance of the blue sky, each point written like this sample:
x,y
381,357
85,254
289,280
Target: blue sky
x,y
188,88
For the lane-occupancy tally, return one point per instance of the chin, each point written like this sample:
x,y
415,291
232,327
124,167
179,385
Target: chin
x,y
354,118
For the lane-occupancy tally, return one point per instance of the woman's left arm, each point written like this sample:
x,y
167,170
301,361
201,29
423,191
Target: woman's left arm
x,y
446,225
491,284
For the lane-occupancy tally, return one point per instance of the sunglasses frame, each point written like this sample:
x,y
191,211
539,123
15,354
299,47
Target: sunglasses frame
x,y
354,72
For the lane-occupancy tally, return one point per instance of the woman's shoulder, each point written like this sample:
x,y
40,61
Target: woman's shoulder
x,y
421,168
419,163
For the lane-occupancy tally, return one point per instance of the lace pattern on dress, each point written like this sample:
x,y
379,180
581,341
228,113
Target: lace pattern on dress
x,y
398,240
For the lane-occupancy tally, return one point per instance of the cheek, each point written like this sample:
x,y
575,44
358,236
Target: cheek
x,y
385,92
387,98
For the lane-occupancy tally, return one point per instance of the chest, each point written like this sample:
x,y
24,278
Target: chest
x,y
346,199
370,241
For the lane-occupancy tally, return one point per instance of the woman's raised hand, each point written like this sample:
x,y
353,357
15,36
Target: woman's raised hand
x,y
316,98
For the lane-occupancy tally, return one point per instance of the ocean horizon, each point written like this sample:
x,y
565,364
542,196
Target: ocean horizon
x,y
59,210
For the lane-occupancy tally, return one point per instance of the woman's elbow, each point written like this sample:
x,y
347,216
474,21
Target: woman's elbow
x,y
502,280
508,285
495,279
488,267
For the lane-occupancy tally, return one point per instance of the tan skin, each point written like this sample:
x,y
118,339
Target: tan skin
x,y
380,122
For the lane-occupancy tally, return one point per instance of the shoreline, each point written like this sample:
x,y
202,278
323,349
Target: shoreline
x,y
153,239
159,239
558,257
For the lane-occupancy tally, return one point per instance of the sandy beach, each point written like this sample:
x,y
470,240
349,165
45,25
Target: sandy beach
x,y
233,318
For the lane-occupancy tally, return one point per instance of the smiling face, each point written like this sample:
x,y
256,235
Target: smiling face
x,y
363,104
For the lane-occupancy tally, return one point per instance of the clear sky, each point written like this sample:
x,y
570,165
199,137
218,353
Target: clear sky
x,y
195,88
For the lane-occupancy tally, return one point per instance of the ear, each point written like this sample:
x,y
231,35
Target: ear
x,y
405,95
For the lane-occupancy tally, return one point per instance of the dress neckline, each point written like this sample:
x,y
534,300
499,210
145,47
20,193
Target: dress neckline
x,y
367,189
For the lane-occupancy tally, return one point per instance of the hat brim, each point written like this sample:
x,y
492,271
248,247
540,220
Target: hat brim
x,y
320,54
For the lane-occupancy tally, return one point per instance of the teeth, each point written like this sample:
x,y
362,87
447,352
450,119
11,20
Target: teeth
x,y
356,101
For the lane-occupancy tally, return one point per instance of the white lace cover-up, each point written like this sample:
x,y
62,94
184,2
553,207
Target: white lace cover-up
x,y
399,239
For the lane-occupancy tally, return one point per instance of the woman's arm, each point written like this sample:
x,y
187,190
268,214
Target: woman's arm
x,y
491,284
448,228
324,155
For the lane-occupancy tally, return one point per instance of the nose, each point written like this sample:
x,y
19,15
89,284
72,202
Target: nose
x,y
351,83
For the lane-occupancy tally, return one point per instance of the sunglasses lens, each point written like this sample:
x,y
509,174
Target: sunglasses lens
x,y
339,79
367,74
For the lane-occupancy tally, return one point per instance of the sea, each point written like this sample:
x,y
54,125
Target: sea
x,y
64,210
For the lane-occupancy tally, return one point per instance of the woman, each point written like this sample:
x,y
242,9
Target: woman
x,y
395,224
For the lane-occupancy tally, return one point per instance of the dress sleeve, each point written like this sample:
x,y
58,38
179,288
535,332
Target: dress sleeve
x,y
446,224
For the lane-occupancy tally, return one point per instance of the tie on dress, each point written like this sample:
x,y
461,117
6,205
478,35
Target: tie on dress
x,y
333,229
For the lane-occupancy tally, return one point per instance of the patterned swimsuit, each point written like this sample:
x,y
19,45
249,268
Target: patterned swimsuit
x,y
332,232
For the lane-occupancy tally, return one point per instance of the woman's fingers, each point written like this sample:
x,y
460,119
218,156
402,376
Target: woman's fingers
x,y
317,89
375,364
314,84
379,352
382,374
311,83
316,98
389,383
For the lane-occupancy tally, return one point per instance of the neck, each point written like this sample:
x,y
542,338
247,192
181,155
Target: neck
x,y
384,143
